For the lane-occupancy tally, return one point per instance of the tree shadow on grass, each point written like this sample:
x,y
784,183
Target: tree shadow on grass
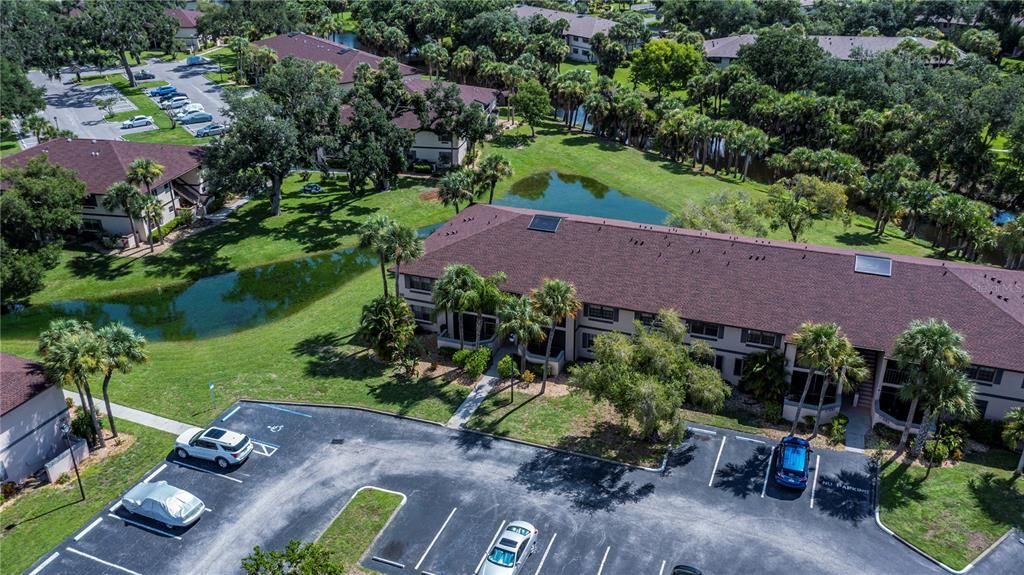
x,y
898,488
99,266
999,498
602,144
406,393
617,441
331,355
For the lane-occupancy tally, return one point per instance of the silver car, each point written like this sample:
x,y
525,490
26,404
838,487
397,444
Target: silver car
x,y
215,444
136,122
164,503
514,546
176,102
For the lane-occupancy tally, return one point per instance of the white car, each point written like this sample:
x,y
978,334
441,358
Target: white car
x,y
515,544
136,122
188,109
225,448
164,503
176,102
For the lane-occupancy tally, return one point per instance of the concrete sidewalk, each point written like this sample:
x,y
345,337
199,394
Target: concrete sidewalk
x,y
136,416
473,401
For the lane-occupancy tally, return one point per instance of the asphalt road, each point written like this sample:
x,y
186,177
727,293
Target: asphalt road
x,y
710,507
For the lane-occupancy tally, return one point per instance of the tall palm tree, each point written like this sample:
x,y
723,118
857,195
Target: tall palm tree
x,y
954,397
455,187
926,352
36,125
151,210
373,235
143,172
517,317
492,169
402,245
556,300
70,351
486,295
452,293
817,345
846,368
1013,435
238,45
125,197
120,349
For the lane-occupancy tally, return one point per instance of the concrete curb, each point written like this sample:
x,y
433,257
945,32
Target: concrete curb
x,y
382,529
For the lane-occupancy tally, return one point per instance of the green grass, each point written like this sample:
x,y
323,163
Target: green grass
x,y
622,76
148,55
953,513
354,529
37,521
9,145
736,422
164,134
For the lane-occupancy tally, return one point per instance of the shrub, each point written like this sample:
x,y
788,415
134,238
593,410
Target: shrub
x,y
81,426
507,368
807,422
880,448
477,362
946,444
528,376
184,218
883,431
773,412
987,431
936,451
64,478
423,168
836,429
459,358
9,488
764,376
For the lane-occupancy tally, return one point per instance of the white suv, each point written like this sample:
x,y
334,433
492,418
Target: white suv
x,y
176,102
224,447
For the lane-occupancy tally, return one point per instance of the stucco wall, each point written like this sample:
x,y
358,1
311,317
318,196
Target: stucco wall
x,y
30,434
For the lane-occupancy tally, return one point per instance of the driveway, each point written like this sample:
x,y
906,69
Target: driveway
x,y
711,507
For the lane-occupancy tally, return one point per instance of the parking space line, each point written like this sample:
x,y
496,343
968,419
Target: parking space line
x,y
388,562
44,564
662,570
817,464
266,443
767,473
88,529
144,526
717,459
200,469
230,413
750,439
116,506
434,540
703,431
285,409
486,551
603,559
102,562
155,473
545,556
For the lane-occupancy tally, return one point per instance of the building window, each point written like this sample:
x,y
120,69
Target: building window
x,y
575,50
796,388
890,403
444,138
894,375
759,338
586,53
982,375
982,406
91,225
600,312
737,366
444,158
419,283
719,361
587,340
704,329
421,313
648,319
90,201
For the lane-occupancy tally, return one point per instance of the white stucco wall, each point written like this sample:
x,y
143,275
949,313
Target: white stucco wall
x,y
30,434
428,147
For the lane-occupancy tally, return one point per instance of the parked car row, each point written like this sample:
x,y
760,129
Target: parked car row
x,y
183,110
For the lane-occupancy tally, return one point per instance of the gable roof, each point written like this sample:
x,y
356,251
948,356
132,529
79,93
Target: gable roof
x,y
185,18
468,94
579,24
20,381
839,47
102,163
745,282
315,49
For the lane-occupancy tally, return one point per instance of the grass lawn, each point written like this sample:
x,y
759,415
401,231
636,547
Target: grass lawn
x,y
37,521
164,134
9,145
354,529
622,76
150,54
953,513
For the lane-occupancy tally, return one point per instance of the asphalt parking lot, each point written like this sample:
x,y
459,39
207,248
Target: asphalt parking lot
x,y
711,507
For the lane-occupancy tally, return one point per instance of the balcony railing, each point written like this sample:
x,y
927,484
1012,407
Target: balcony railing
x,y
444,340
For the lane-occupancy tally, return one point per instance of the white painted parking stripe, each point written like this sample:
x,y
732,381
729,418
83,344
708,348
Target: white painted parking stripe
x,y
702,431
662,570
545,556
88,529
603,559
493,539
200,469
767,473
817,465
44,564
102,562
717,459
434,540
388,562
750,439
230,413
285,409
144,526
116,506
155,473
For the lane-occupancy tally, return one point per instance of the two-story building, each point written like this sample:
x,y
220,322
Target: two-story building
x,y
188,26
723,51
580,32
739,295
103,163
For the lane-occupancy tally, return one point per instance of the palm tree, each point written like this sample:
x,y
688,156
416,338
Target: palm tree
x,y
125,197
452,292
143,171
486,295
817,346
455,187
926,352
492,169
373,235
846,368
1013,435
120,349
402,245
35,125
238,45
151,210
954,397
517,317
556,300
70,351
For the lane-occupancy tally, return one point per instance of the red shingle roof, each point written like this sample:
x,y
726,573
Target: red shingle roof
x,y
315,49
745,282
20,381
185,18
102,163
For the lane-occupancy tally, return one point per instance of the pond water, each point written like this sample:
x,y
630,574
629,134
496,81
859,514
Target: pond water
x,y
212,306
557,192
346,38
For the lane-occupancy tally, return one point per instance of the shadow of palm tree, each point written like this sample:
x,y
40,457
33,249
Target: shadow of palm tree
x,y
847,495
898,489
744,479
330,358
99,266
999,498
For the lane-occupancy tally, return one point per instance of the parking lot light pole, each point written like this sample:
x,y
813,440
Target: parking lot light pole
x,y
65,428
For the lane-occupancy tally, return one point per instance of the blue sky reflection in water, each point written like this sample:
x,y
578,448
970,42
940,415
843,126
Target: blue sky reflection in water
x,y
580,195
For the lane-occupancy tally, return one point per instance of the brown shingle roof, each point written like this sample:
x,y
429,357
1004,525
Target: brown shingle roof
x,y
839,47
315,49
185,18
20,381
468,94
102,163
746,282
579,24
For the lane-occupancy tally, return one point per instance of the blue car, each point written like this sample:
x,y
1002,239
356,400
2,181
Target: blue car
x,y
163,90
195,118
792,462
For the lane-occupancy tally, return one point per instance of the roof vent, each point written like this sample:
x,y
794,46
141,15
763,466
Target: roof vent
x,y
545,223
874,265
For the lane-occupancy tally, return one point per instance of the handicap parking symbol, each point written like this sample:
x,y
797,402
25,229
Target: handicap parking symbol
x,y
275,428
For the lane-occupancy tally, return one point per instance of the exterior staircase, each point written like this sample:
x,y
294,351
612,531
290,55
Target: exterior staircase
x,y
866,389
